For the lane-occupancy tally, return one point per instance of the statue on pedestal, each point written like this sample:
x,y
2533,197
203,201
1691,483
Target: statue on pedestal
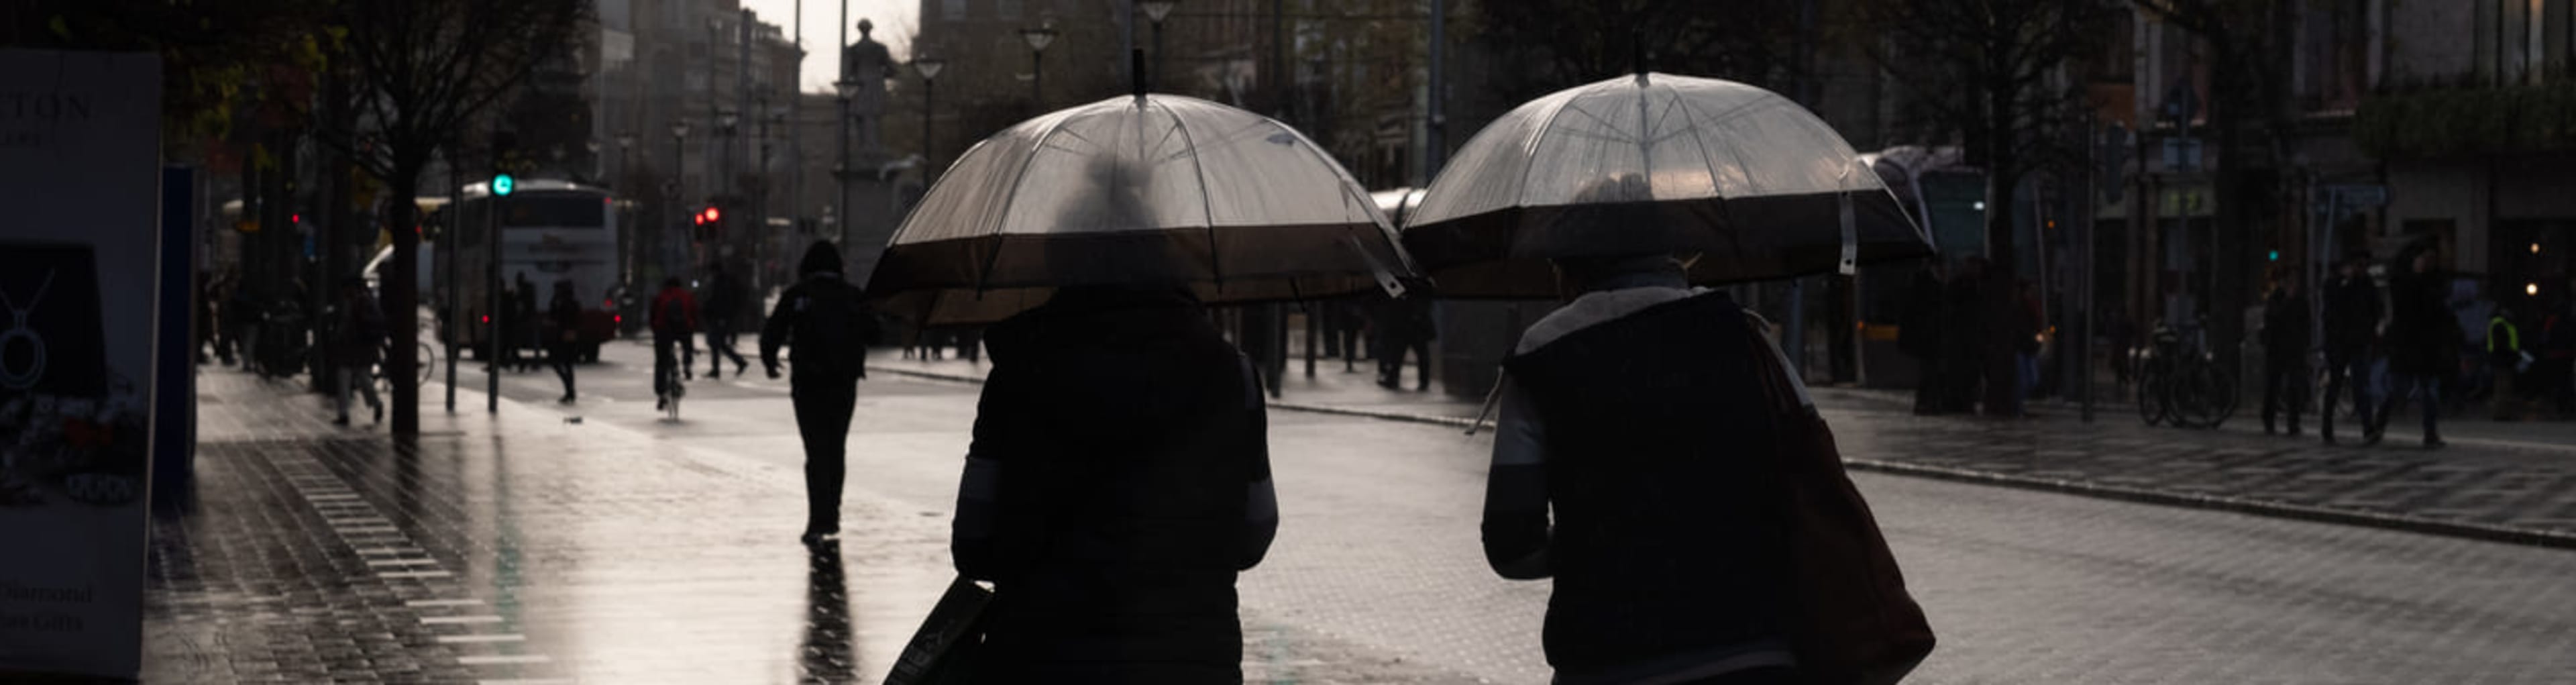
x,y
868,64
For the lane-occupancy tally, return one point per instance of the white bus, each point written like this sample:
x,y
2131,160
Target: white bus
x,y
551,231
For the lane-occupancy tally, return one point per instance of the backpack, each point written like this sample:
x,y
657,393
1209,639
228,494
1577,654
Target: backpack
x,y
675,315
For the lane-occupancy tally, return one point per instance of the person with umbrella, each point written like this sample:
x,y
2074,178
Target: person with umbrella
x,y
1651,438
826,320
1119,478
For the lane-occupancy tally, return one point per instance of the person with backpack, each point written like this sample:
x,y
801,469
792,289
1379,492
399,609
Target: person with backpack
x,y
675,318
824,319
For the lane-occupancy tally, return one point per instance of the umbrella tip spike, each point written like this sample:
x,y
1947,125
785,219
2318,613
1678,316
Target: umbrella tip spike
x,y
1637,52
1136,70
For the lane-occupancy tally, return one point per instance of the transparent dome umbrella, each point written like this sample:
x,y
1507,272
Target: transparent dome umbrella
x,y
1750,183
1153,190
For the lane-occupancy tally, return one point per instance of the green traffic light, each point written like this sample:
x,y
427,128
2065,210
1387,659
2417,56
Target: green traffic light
x,y
2276,254
501,185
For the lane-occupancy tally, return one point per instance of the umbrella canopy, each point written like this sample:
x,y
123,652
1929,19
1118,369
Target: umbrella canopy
x,y
1750,182
1148,190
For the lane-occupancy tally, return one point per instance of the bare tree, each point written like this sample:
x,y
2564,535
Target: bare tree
x,y
424,70
1989,71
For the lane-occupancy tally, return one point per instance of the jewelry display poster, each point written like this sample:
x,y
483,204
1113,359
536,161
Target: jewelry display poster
x,y
79,261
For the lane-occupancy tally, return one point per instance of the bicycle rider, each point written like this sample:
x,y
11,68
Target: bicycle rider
x,y
674,319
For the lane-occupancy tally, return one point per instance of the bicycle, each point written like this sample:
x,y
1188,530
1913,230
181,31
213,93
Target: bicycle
x,y
426,365
667,375
2181,384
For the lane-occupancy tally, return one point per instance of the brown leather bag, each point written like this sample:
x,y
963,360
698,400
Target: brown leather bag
x,y
1851,621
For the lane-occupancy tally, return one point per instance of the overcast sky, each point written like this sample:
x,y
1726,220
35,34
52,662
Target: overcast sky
x,y
894,24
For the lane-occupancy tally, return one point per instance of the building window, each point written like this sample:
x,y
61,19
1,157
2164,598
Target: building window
x,y
952,9
2334,54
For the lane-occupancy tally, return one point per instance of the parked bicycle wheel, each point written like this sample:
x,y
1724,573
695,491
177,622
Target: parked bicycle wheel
x,y
2155,401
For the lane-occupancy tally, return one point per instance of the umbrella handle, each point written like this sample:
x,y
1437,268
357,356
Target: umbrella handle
x,y
1491,398
1385,278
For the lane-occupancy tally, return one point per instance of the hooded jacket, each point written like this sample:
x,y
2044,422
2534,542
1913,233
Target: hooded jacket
x,y
1118,480
824,317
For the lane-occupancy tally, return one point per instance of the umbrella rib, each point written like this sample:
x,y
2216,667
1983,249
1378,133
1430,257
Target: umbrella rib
x,y
1529,148
984,277
1207,208
1734,234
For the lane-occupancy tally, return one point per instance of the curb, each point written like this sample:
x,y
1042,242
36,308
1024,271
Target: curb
x,y
2241,505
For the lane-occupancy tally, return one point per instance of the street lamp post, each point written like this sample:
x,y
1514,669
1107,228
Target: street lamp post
x,y
760,219
843,89
625,176
929,68
1156,11
679,186
1039,38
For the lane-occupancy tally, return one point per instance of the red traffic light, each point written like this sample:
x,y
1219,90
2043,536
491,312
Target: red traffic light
x,y
711,215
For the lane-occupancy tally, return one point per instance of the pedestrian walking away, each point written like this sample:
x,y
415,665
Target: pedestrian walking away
x,y
2286,328
2352,322
358,340
1407,330
722,307
523,307
564,311
1118,482
2507,360
827,323
2423,339
1637,416
1919,335
674,319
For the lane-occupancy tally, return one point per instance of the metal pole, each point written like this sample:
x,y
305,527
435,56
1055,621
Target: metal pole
x,y
1435,151
492,298
1156,83
679,195
1037,80
450,238
2092,257
929,145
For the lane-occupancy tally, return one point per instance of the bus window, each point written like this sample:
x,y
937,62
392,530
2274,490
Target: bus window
x,y
554,211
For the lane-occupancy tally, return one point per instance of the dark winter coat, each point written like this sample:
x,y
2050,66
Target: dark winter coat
x,y
2423,336
721,303
1918,330
359,334
1667,537
565,314
2286,328
2352,316
825,318
1125,434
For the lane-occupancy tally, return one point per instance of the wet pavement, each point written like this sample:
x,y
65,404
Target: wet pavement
x,y
2500,481
525,547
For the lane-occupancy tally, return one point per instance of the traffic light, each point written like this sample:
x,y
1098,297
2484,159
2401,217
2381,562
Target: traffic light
x,y
502,184
709,224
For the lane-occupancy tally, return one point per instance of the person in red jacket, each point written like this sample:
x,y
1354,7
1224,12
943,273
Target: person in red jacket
x,y
674,318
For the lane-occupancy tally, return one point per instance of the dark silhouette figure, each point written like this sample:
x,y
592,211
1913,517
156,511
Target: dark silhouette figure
x,y
2352,323
358,342
824,319
1118,481
564,311
675,317
1918,333
1404,326
1633,418
1963,335
2286,329
523,324
722,307
2423,340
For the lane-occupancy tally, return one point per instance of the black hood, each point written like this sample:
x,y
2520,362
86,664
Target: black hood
x,y
822,258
